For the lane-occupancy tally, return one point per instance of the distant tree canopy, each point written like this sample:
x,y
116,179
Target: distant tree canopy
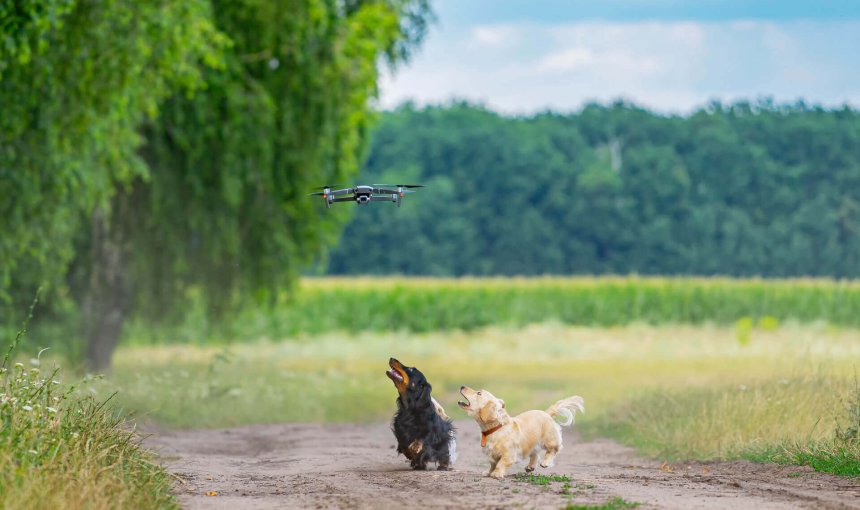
x,y
150,147
745,189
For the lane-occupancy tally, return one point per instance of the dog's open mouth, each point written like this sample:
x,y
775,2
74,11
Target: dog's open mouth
x,y
464,404
398,375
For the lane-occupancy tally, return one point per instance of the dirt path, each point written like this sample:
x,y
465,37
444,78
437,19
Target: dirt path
x,y
355,466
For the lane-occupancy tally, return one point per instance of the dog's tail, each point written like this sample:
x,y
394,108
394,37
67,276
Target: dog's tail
x,y
567,408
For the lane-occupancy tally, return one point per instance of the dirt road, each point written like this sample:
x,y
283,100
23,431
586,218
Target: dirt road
x,y
356,467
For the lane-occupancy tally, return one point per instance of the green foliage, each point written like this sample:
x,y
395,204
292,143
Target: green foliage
x,y
744,190
226,202
149,146
391,304
78,78
743,329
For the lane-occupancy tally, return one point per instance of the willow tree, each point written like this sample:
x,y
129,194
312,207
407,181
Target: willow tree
x,y
223,206
153,147
77,79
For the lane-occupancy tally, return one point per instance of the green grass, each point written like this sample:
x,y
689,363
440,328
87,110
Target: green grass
x,y
541,479
426,305
826,456
62,448
615,503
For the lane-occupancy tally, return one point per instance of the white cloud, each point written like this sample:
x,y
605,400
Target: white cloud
x,y
669,66
495,35
571,59
608,64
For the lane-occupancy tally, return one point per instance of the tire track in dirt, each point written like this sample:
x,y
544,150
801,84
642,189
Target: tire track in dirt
x,y
355,466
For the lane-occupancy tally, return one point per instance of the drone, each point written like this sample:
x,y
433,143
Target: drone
x,y
365,194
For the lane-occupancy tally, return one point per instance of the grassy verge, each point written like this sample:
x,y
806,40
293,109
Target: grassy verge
x,y
62,449
793,420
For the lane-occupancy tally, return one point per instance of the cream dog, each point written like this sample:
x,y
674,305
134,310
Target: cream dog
x,y
508,440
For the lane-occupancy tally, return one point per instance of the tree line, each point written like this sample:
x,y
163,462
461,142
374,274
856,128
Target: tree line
x,y
147,148
745,189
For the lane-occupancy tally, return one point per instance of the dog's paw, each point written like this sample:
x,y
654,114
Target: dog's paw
x,y
414,448
529,469
547,465
497,475
444,468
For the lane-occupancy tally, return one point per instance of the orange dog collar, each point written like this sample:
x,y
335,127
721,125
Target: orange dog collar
x,y
485,433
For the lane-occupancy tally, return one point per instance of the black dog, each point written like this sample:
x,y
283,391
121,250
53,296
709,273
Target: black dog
x,y
422,434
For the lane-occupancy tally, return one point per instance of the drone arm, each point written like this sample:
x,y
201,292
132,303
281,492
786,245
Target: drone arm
x,y
343,199
383,198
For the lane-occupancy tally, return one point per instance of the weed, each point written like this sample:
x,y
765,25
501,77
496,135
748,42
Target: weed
x,y
541,479
615,503
61,448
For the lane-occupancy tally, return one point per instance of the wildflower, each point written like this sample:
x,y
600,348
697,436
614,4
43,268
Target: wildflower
x,y
34,370
34,452
51,409
27,408
19,365
35,362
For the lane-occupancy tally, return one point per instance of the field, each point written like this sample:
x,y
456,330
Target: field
x,y
692,392
686,370
324,305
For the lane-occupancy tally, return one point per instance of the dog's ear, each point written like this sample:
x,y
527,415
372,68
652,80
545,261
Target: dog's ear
x,y
421,392
502,402
424,394
488,412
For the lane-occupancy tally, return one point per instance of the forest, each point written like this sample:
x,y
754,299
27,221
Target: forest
x,y
744,189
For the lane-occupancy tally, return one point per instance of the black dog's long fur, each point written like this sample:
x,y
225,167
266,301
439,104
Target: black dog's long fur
x,y
416,418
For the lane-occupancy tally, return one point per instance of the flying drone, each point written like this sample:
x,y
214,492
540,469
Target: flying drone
x,y
364,194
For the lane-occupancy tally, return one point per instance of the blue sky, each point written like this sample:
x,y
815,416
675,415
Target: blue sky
x,y
522,56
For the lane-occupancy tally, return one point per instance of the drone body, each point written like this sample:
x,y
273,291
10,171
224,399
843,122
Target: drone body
x,y
365,194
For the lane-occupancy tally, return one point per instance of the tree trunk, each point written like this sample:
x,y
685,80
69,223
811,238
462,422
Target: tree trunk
x,y
108,297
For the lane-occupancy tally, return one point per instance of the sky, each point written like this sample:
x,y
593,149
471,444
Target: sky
x,y
672,56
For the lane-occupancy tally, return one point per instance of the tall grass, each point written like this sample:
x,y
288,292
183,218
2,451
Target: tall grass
x,y
62,448
792,420
422,305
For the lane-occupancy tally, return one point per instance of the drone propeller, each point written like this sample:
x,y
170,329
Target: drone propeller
x,y
328,186
399,185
